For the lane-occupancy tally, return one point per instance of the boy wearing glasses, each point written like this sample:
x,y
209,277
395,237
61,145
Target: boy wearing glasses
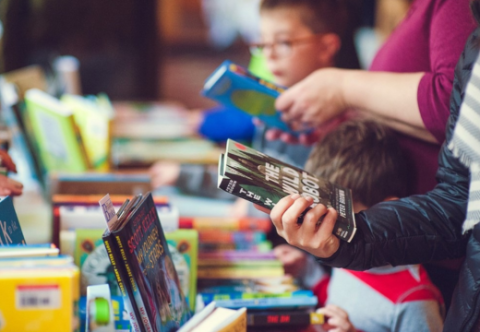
x,y
297,38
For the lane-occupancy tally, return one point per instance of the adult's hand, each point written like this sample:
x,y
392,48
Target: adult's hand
x,y
317,239
9,186
315,100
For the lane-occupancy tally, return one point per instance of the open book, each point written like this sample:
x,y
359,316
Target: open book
x,y
263,180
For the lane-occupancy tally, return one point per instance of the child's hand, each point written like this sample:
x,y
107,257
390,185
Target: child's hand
x,y
293,259
164,173
336,319
6,161
309,236
10,187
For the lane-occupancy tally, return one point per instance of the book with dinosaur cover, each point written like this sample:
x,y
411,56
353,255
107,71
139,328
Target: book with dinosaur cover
x,y
140,243
263,180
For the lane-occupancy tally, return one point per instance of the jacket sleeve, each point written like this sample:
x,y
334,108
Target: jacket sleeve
x,y
420,228
412,230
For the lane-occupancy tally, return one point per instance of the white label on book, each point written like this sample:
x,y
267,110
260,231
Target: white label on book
x,y
37,297
54,141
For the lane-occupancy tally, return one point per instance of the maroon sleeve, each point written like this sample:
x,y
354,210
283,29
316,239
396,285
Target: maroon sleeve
x,y
451,24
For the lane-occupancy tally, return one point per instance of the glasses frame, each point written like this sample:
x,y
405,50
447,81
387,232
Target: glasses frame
x,y
259,48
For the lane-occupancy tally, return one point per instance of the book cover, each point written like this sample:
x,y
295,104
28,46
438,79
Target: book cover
x,y
234,295
183,246
263,180
57,138
41,297
236,87
155,284
10,230
94,117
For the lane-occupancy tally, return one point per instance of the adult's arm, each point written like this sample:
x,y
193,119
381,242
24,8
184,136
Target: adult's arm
x,y
418,101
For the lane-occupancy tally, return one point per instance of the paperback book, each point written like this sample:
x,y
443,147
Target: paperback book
x,y
236,87
263,180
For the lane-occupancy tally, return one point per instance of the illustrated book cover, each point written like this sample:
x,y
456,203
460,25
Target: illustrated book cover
x,y
263,180
234,86
140,241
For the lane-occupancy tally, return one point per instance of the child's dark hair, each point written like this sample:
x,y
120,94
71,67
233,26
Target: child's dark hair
x,y
326,16
364,156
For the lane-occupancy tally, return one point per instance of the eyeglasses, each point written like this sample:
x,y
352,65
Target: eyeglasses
x,y
281,48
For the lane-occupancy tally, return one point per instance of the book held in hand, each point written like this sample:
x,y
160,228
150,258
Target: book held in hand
x,y
234,86
263,180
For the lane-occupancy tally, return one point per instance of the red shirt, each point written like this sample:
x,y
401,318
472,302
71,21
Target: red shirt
x,y
430,40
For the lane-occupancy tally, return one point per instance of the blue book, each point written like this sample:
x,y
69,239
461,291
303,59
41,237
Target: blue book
x,y
10,230
235,295
234,86
295,302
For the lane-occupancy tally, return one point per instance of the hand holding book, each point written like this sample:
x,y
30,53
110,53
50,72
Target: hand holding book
x,y
315,238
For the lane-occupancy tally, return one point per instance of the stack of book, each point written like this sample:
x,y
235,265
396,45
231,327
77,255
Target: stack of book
x,y
39,288
144,133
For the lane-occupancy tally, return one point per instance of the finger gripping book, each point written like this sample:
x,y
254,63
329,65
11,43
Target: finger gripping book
x,y
263,180
234,86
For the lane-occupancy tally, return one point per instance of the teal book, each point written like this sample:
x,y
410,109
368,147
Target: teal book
x,y
263,180
234,86
10,230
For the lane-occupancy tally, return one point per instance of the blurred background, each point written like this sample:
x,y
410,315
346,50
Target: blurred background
x,y
153,49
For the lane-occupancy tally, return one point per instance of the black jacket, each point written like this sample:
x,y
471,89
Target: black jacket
x,y
424,228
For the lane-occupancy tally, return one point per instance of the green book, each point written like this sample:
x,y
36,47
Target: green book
x,y
183,245
57,138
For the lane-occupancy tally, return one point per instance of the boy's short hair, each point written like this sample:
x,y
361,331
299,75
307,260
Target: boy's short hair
x,y
364,156
321,16
327,16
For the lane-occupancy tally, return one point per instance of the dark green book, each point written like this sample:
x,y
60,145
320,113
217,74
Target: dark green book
x,y
263,180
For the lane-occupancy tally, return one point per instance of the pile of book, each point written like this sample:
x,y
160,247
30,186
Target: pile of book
x,y
39,287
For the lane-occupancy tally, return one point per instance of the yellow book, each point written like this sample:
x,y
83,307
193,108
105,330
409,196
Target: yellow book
x,y
39,299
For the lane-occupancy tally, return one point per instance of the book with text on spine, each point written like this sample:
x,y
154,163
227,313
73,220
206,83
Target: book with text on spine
x,y
263,180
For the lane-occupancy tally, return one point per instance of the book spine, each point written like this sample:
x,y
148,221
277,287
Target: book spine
x,y
135,291
284,319
269,303
238,273
216,236
209,297
132,312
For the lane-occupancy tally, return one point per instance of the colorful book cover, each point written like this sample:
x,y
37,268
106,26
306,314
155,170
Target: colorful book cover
x,y
149,265
234,86
91,256
208,297
220,236
270,303
258,178
183,246
10,230
58,140
94,116
41,298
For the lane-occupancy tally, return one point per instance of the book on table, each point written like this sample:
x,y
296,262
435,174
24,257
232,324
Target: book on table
x,y
263,180
144,264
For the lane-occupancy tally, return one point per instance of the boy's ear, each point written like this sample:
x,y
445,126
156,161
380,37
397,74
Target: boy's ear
x,y
391,198
330,44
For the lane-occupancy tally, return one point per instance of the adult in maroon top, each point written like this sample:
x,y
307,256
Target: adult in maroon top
x,y
408,86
